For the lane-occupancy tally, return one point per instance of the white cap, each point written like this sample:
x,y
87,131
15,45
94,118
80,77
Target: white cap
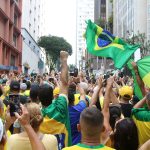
x,y
1,129
23,86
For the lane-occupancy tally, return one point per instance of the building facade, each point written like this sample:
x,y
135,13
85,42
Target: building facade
x,y
31,53
33,27
10,35
130,17
84,11
34,17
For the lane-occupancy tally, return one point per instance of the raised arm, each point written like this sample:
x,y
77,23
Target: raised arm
x,y
24,120
141,103
96,92
64,73
107,98
138,78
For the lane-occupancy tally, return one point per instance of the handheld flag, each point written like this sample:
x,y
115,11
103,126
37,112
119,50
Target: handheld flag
x,y
136,87
144,72
102,43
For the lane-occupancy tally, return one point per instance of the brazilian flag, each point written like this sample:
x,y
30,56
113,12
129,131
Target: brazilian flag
x,y
144,72
102,43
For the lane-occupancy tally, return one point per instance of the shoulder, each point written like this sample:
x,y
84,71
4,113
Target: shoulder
x,y
50,137
14,138
141,114
50,142
75,147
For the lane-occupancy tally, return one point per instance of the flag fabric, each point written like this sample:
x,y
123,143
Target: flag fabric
x,y
56,121
144,72
137,90
102,43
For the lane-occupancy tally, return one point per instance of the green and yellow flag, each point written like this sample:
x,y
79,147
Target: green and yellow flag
x,y
56,121
144,72
102,43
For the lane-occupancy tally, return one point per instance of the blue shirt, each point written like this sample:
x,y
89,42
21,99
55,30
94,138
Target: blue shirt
x,y
74,113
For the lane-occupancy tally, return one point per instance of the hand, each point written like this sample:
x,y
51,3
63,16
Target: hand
x,y
9,119
63,55
24,119
110,81
134,65
81,90
100,81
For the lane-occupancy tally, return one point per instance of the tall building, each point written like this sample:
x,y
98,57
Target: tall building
x,y
10,35
33,17
33,27
130,16
84,11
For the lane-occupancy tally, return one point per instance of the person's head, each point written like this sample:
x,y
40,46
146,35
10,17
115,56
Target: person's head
x,y
45,95
28,83
126,135
115,114
84,86
126,93
36,117
14,86
71,93
91,123
148,100
34,93
1,91
23,87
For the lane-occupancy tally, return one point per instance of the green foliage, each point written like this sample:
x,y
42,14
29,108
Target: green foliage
x,y
53,45
72,67
140,39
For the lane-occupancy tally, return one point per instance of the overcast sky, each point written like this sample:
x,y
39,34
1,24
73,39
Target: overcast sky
x,y
61,21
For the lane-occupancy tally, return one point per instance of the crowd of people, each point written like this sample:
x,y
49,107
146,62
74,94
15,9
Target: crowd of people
x,y
61,111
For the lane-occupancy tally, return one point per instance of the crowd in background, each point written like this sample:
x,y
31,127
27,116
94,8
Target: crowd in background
x,y
66,111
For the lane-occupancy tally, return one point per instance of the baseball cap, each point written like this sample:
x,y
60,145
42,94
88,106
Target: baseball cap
x,y
126,91
14,85
23,86
56,91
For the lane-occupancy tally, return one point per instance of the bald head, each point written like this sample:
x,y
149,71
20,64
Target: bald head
x,y
91,121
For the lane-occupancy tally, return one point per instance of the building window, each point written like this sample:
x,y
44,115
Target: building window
x,y
12,60
15,20
15,40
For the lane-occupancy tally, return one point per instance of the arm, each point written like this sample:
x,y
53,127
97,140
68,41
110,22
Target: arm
x,y
96,92
138,78
145,146
64,73
114,99
82,94
140,103
24,120
107,97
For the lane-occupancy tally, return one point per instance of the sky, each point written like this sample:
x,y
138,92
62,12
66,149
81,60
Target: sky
x,y
61,21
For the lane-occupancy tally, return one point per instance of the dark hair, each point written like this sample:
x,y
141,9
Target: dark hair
x,y
1,91
14,86
71,92
115,113
34,92
28,84
126,135
92,119
45,95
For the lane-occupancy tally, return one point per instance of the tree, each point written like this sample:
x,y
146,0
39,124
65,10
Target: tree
x,y
140,39
53,45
